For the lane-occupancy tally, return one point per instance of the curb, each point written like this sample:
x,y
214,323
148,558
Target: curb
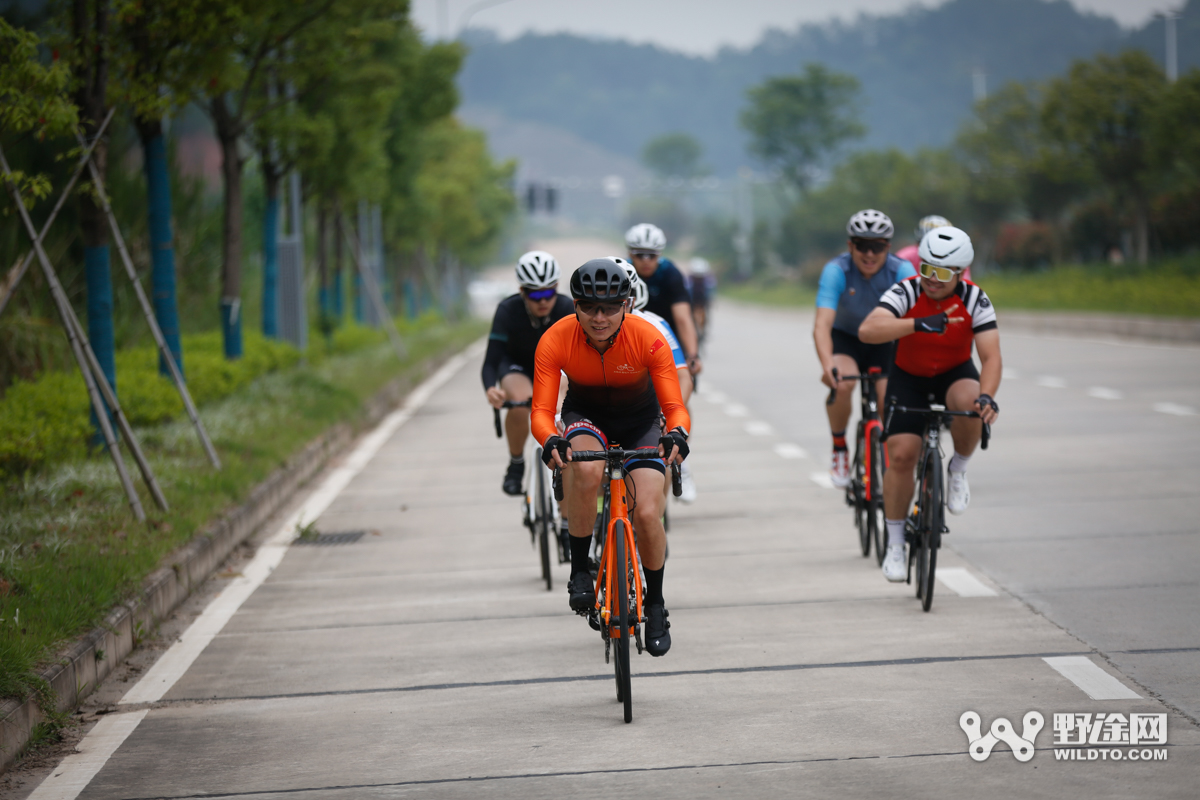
x,y
1177,330
92,657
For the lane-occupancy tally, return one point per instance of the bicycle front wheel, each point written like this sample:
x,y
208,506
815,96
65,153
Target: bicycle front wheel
x,y
876,521
545,520
621,583
859,488
931,527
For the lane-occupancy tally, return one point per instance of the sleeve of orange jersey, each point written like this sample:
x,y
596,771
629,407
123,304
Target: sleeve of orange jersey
x,y
666,386
547,372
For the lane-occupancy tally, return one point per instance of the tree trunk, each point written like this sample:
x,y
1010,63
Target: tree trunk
x,y
323,266
231,229
162,247
339,280
90,28
270,298
1141,228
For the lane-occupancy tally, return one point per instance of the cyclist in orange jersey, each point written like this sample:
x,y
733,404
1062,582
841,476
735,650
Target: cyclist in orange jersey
x,y
619,368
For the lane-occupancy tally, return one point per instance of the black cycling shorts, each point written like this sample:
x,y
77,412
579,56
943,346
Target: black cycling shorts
x,y
865,355
615,434
507,365
916,391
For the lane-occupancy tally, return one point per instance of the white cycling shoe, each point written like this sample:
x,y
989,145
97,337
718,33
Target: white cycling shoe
x,y
839,469
958,493
895,565
687,484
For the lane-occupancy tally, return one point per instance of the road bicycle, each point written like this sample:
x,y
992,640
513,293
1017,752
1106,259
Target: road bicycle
x,y
539,512
924,527
865,491
618,613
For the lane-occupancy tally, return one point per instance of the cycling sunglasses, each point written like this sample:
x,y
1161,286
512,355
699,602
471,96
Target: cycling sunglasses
x,y
869,245
539,294
591,309
651,256
943,274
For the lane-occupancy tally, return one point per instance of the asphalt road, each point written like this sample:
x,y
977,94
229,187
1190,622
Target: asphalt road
x,y
426,658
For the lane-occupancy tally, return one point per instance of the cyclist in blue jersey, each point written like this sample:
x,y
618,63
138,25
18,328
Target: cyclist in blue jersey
x,y
850,288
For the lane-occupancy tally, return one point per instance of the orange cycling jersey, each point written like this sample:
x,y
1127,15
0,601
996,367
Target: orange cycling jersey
x,y
628,380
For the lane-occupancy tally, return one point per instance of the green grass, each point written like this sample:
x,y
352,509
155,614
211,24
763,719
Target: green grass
x,y
69,548
1169,289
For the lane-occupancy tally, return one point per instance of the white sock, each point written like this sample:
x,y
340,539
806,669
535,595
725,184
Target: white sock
x,y
958,462
895,532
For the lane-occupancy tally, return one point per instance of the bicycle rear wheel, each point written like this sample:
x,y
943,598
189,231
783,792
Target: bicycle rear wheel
x,y
876,521
621,583
545,520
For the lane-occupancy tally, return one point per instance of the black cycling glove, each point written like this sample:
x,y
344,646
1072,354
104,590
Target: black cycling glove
x,y
935,323
554,443
986,400
675,438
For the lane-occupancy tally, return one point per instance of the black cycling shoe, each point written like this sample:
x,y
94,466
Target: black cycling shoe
x,y
512,479
582,590
658,630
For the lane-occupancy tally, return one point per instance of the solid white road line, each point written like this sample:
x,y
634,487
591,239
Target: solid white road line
x,y
737,410
789,450
1052,382
1102,393
963,583
1175,408
759,428
77,770
822,479
110,732
1095,682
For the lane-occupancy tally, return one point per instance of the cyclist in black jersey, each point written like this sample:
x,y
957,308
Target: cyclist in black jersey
x,y
517,327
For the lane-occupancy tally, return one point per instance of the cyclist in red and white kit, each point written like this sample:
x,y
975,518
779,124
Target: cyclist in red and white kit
x,y
936,317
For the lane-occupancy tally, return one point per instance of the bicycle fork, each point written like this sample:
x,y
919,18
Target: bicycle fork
x,y
606,604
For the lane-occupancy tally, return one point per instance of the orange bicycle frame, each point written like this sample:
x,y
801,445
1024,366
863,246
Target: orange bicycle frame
x,y
606,579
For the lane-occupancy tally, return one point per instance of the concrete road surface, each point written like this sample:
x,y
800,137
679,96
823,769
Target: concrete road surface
x,y
426,659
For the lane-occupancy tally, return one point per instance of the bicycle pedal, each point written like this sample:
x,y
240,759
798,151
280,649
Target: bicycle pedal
x,y
593,621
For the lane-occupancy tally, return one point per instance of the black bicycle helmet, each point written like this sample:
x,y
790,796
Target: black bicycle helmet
x,y
600,280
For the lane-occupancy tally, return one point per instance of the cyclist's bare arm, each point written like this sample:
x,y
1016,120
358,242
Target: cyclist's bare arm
x,y
882,326
823,340
686,327
991,366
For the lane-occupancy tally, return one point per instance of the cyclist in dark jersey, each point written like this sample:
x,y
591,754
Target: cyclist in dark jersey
x,y
517,327
850,288
936,317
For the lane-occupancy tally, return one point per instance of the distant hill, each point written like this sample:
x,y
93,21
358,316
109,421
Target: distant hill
x,y
916,71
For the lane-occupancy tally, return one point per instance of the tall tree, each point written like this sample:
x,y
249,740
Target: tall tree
x,y
1103,112
674,155
797,122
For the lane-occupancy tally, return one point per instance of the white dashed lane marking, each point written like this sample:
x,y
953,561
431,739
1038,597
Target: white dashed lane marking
x,y
737,410
714,396
1101,393
963,583
759,428
1052,382
1010,374
1175,408
822,479
1095,682
789,450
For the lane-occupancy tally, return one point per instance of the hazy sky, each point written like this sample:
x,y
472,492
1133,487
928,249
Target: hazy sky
x,y
694,26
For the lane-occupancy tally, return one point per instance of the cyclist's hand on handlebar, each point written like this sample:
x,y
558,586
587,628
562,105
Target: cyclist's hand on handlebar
x,y
934,323
827,376
556,452
987,408
495,397
695,365
673,447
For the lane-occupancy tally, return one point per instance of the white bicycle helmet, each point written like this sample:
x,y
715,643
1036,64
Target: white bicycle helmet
x,y
929,223
947,246
645,237
699,266
537,269
641,292
871,224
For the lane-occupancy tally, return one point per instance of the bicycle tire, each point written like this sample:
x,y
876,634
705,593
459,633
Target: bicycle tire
x,y
545,521
621,587
922,526
876,519
931,505
858,485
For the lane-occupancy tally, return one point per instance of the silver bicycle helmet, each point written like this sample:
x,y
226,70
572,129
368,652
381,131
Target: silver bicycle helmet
x,y
646,238
871,224
947,246
641,292
537,269
929,223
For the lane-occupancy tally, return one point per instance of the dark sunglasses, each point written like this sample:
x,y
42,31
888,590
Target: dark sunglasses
x,y
539,294
869,245
607,309
650,256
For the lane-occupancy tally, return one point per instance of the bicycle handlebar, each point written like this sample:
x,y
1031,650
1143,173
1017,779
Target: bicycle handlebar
x,y
612,454
506,404
943,412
